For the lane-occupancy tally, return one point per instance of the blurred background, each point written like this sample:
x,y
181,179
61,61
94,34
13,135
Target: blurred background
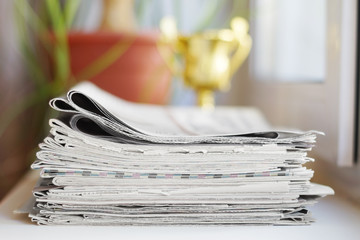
x,y
302,71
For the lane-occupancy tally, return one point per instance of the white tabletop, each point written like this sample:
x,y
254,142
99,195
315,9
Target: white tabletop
x,y
336,219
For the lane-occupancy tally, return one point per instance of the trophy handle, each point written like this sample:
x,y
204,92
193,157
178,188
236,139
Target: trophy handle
x,y
240,28
169,38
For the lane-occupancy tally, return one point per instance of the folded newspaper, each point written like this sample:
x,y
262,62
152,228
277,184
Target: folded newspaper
x,y
111,162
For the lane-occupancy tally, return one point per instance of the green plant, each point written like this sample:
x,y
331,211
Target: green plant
x,y
41,28
42,37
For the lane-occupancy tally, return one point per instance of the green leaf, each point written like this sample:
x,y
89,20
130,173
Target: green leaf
x,y
61,52
29,55
29,17
70,9
106,59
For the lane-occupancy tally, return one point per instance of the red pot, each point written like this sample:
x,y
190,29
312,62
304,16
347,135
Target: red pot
x,y
129,66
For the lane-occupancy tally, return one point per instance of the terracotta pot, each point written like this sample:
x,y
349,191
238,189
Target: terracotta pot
x,y
129,66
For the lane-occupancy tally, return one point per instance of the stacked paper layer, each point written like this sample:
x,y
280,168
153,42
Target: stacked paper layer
x,y
110,162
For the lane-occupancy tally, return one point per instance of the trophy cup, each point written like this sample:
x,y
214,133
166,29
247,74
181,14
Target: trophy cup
x,y
210,58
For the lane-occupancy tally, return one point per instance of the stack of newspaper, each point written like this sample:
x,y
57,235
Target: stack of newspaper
x,y
110,162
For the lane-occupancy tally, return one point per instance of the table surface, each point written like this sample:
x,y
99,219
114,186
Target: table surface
x,y
336,219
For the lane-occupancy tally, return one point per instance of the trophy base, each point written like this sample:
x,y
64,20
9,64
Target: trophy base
x,y
205,98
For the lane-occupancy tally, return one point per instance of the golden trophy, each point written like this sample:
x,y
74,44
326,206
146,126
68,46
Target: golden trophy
x,y
210,58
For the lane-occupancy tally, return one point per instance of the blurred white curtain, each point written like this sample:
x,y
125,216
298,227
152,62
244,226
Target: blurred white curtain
x,y
289,40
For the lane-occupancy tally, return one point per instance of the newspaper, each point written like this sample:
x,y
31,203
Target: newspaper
x,y
111,162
